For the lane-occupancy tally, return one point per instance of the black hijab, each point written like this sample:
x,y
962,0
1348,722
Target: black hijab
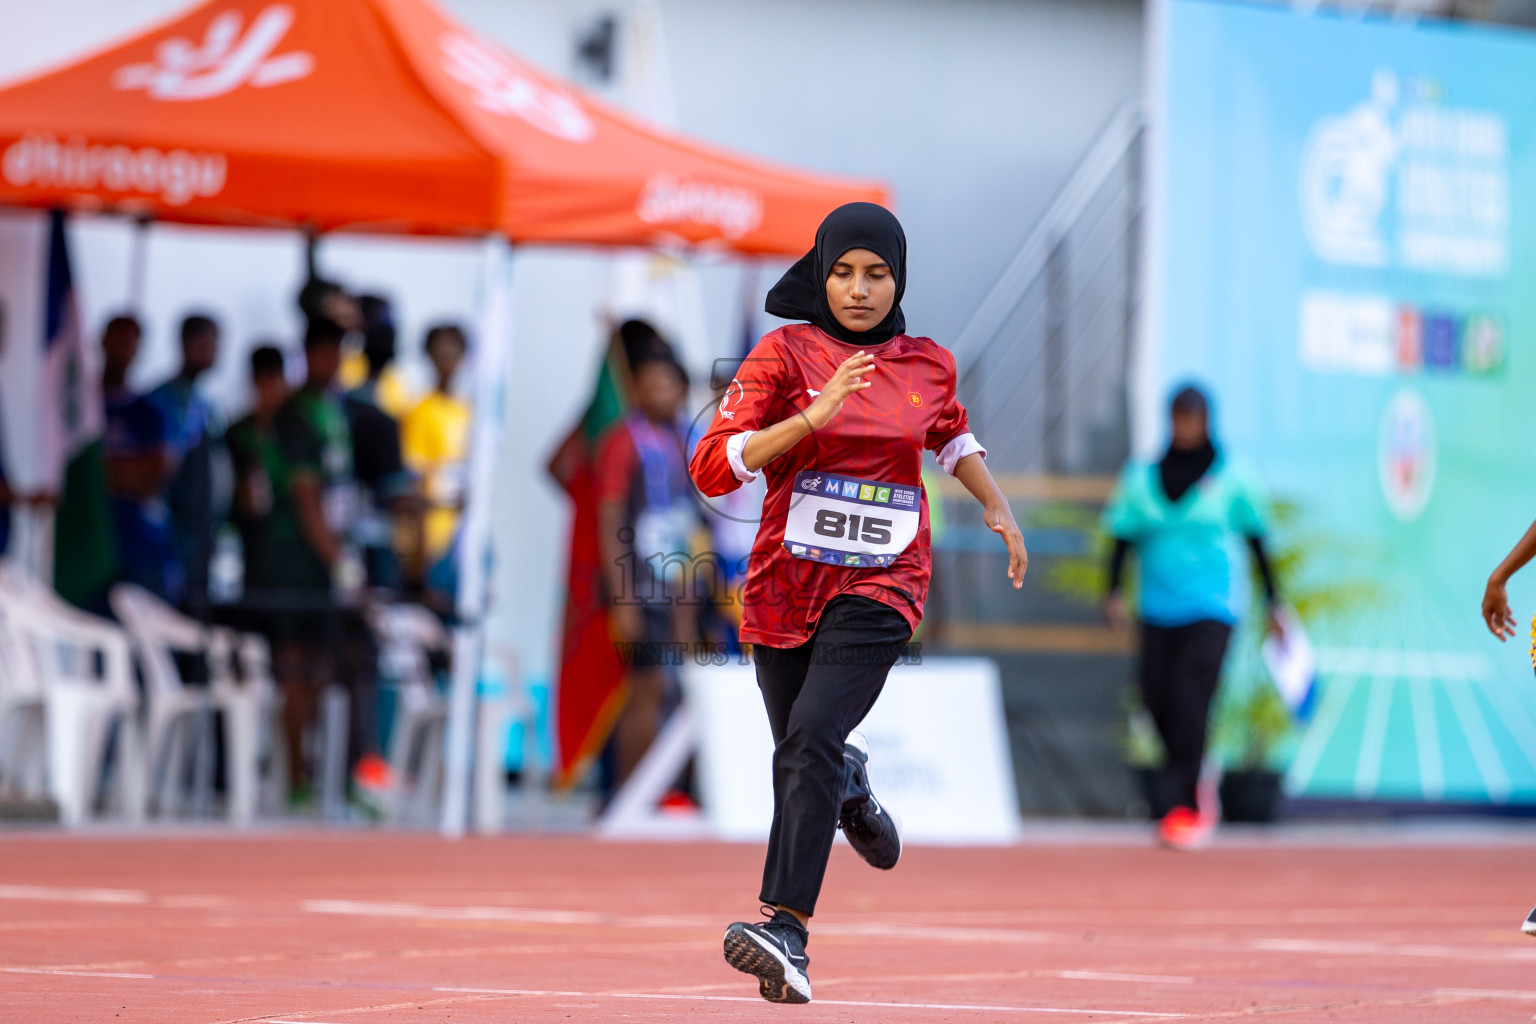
x,y
1182,468
801,293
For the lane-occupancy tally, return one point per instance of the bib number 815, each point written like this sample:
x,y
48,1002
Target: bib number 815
x,y
831,523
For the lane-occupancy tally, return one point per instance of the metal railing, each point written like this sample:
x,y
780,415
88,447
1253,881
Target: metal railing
x,y
1043,359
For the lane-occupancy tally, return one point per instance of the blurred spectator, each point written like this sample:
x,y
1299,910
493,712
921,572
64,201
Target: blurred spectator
x,y
194,433
320,299
257,461
1180,514
140,460
435,440
591,673
646,515
86,556
305,538
386,488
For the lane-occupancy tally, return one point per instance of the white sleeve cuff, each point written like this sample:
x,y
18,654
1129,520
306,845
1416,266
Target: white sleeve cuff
x,y
733,446
951,454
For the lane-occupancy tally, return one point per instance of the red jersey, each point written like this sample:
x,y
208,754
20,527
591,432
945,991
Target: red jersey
x,y
872,450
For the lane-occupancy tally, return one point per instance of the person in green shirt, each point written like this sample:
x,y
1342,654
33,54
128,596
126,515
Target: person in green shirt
x,y
1182,514
303,539
257,462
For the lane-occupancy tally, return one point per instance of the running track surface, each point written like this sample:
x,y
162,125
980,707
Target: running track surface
x,y
372,928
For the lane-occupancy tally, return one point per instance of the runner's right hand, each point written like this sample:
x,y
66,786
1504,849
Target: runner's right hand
x,y
1496,614
848,380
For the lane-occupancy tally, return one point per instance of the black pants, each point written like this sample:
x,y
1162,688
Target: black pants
x,y
816,694
1180,667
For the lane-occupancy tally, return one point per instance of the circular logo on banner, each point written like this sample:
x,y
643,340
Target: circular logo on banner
x,y
1405,454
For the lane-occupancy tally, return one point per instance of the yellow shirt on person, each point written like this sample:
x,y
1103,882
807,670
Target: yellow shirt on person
x,y
434,441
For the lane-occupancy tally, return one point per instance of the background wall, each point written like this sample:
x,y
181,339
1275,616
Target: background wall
x,y
974,110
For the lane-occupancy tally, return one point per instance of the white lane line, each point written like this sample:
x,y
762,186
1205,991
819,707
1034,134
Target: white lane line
x,y
359,908
56,895
1384,949
74,974
819,1002
1155,979
880,930
1485,993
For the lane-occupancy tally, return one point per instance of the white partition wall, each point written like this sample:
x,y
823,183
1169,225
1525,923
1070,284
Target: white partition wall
x,y
938,752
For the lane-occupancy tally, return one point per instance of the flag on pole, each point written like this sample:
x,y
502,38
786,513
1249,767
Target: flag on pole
x,y
71,425
71,389
590,693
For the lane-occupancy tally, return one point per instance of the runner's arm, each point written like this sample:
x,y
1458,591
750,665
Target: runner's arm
x,y
768,444
972,471
1496,613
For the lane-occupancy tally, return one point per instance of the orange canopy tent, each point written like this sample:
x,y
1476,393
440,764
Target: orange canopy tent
x,y
387,116
379,115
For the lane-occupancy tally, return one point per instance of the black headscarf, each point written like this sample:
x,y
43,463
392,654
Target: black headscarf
x,y
1182,468
801,293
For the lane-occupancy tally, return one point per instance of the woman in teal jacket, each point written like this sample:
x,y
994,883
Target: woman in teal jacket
x,y
1183,514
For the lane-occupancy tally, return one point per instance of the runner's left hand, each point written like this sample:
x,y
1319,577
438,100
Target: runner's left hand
x,y
999,519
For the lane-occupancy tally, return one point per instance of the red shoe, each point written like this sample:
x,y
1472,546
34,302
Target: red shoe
x,y
1185,829
372,775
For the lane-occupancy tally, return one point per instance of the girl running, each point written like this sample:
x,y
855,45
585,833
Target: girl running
x,y
836,412
1502,624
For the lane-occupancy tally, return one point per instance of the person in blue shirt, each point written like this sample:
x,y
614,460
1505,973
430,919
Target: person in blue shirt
x,y
194,434
1182,515
140,459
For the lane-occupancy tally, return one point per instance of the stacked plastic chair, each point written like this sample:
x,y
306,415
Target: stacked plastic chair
x,y
74,672
179,717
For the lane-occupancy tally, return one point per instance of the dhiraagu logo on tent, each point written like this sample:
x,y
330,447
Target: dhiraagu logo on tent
x,y
500,85
227,59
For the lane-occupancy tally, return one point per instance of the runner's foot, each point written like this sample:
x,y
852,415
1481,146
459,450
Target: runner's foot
x,y
1185,829
1530,924
774,951
871,829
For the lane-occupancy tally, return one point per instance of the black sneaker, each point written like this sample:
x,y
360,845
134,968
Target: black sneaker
x,y
1530,924
871,829
775,952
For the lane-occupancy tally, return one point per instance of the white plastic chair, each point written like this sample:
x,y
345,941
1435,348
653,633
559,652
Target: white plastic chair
x,y
175,713
83,667
408,635
241,685
22,751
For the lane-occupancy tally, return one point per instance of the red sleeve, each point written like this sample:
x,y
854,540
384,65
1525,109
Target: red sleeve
x,y
613,466
952,421
753,400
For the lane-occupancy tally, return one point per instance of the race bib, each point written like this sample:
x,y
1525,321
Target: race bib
x,y
843,520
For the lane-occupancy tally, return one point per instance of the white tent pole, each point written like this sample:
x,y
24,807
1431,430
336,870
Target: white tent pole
x,y
493,348
138,265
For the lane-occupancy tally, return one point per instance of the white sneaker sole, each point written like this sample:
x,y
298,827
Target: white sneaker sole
x,y
778,980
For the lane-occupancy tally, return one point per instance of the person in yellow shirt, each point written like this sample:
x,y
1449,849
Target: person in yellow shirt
x,y
434,438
